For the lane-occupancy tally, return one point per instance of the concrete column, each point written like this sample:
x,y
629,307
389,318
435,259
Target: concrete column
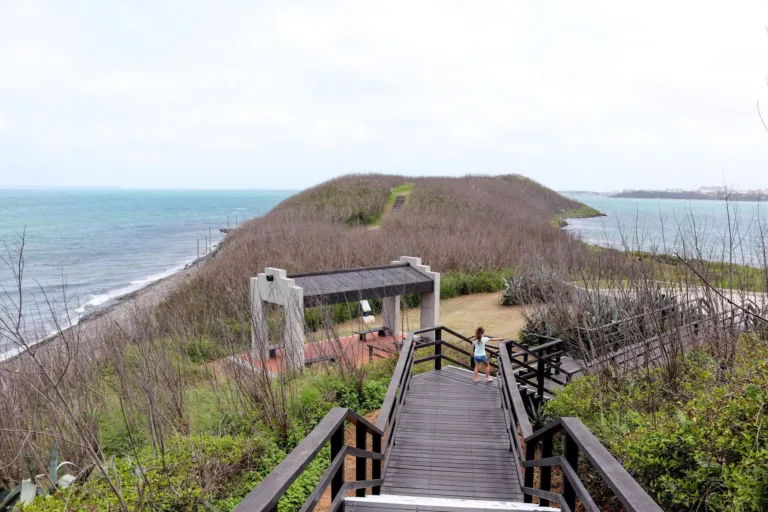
x,y
294,330
430,301
390,313
274,287
259,326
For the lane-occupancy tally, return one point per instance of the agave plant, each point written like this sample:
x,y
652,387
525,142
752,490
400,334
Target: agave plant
x,y
40,485
539,417
530,285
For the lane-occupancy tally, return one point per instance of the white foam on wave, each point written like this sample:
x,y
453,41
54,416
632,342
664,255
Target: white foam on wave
x,y
66,322
101,299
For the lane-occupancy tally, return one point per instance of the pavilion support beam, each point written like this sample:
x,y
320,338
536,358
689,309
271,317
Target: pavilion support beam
x,y
390,313
274,287
430,301
259,325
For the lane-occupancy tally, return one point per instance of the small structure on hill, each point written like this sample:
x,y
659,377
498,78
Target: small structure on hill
x,y
295,292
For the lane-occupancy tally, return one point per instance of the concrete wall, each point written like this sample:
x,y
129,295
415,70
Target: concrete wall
x,y
283,292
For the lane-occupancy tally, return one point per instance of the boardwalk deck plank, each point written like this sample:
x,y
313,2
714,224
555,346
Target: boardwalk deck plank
x,y
451,441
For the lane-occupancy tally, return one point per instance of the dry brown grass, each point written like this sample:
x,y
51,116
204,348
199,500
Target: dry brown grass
x,y
453,224
143,366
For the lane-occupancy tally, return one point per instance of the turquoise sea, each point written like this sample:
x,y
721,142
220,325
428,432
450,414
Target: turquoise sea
x,y
107,243
711,230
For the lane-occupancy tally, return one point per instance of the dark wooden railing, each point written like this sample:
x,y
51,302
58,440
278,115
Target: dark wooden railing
x,y
331,429
523,441
539,367
579,445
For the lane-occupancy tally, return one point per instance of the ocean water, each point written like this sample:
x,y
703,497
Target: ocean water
x,y
693,228
94,246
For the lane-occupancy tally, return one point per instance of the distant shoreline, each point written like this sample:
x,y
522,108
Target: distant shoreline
x,y
666,194
692,195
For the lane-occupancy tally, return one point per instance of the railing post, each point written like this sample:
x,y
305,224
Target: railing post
x,y
571,452
438,349
376,469
337,444
540,379
545,476
361,438
370,353
530,454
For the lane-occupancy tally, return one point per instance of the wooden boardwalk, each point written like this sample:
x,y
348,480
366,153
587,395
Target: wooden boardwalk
x,y
451,442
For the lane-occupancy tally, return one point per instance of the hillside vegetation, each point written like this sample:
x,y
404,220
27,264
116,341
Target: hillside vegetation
x,y
148,404
454,224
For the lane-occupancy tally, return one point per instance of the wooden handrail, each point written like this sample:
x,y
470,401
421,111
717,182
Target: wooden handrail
x,y
578,439
518,407
397,376
632,496
331,428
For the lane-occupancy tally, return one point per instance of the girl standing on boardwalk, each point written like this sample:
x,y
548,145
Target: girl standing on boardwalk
x,y
478,342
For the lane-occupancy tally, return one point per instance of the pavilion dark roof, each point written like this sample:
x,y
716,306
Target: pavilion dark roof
x,y
349,285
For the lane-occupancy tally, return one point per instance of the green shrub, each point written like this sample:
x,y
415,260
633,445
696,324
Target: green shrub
x,y
455,284
697,443
313,406
203,350
195,473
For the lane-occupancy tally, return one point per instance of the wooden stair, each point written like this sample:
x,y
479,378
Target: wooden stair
x,y
399,203
391,502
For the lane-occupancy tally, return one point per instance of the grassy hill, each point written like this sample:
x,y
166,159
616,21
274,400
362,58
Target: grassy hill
x,y
456,225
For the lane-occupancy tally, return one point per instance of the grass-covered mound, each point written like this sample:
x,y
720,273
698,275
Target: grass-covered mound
x,y
456,225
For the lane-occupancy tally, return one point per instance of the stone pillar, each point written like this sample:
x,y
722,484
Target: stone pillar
x,y
294,329
259,326
274,287
390,313
430,301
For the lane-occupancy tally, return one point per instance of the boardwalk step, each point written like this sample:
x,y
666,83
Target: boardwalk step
x,y
388,502
398,205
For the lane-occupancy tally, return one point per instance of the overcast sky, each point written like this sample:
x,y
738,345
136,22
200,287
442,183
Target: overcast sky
x,y
200,94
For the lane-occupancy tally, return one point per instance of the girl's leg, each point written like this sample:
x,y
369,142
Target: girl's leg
x,y
488,371
476,368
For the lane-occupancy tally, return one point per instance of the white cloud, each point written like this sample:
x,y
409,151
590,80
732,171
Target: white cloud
x,y
288,94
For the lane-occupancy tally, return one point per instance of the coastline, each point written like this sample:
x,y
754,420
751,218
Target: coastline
x,y
120,309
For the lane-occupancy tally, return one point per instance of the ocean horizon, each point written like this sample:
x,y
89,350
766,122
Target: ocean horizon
x,y
87,247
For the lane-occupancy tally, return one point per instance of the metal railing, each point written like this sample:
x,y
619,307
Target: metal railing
x,y
579,444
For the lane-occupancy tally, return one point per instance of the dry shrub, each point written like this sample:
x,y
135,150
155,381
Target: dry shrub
x,y
453,224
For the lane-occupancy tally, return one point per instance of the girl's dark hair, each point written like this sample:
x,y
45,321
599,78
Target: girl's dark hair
x,y
479,331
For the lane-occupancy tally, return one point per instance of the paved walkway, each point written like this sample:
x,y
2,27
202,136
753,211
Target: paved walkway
x,y
349,347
